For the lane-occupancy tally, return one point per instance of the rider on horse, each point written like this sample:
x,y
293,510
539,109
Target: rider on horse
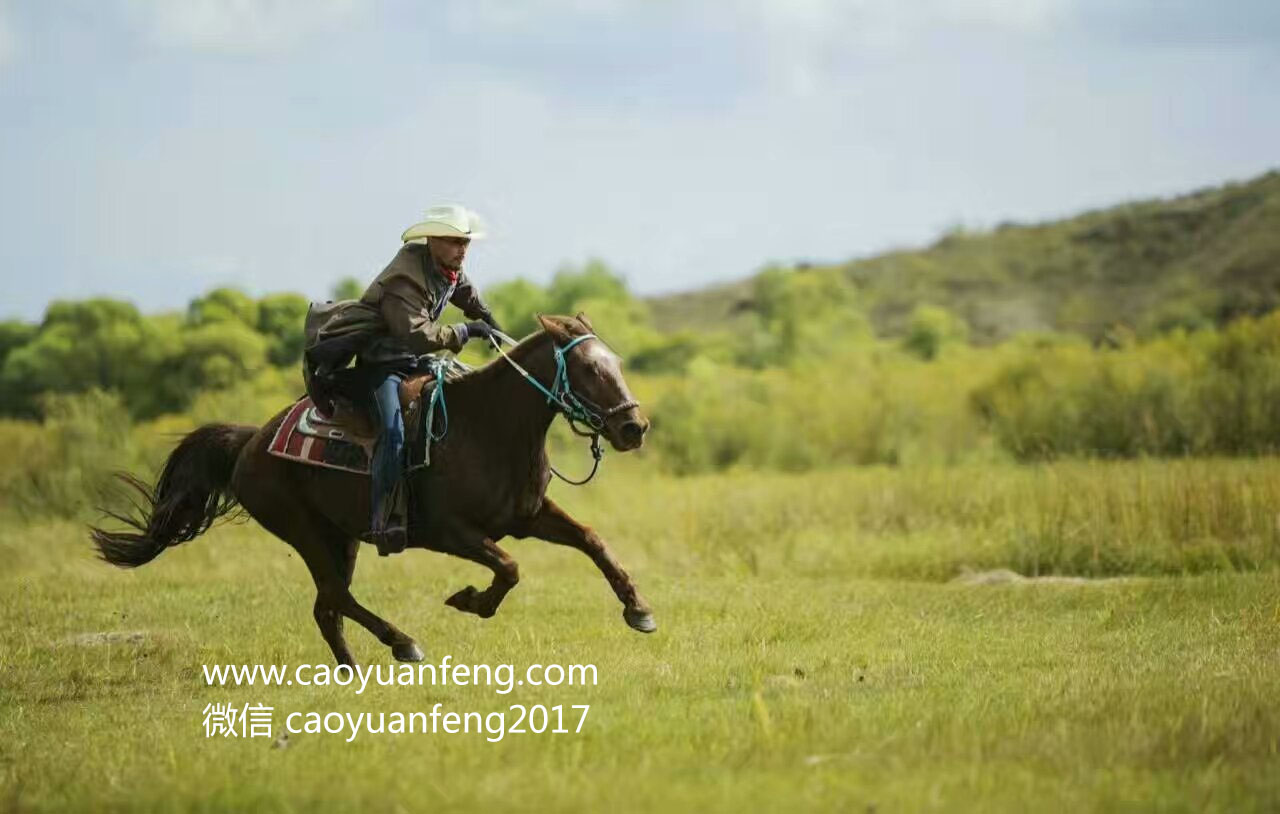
x,y
410,295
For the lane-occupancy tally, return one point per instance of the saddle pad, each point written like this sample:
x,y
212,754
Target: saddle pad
x,y
306,438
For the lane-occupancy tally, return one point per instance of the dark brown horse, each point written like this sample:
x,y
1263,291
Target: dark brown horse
x,y
487,480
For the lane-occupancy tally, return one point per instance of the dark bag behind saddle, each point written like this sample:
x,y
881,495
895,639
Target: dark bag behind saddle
x,y
334,332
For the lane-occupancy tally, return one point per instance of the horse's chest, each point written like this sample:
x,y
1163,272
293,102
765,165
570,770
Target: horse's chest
x,y
495,505
515,509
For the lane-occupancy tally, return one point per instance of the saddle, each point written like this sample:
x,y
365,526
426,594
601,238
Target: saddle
x,y
344,437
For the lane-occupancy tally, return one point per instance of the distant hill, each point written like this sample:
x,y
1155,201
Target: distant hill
x,y
1201,258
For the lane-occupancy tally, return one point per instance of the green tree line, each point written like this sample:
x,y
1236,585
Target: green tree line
x,y
159,364
800,380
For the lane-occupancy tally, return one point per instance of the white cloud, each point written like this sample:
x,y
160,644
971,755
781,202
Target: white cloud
x,y
1013,15
842,17
800,42
240,25
533,14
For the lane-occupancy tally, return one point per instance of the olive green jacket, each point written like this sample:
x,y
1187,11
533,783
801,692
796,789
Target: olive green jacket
x,y
411,294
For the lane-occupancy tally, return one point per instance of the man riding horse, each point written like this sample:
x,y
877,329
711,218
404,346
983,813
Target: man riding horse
x,y
488,472
410,295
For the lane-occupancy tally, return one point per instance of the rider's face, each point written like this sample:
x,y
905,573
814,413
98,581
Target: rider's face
x,y
448,252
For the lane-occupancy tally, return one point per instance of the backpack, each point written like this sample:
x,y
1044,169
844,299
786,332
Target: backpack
x,y
334,333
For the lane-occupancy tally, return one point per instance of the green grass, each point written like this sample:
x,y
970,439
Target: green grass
x,y
813,654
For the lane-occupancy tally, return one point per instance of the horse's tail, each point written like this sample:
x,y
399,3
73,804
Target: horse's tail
x,y
193,491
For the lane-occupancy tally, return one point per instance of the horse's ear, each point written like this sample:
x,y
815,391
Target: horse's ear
x,y
586,323
552,326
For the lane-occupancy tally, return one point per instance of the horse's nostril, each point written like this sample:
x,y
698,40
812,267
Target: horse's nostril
x,y
633,431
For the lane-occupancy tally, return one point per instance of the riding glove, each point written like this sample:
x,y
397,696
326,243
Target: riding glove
x,y
474,329
493,323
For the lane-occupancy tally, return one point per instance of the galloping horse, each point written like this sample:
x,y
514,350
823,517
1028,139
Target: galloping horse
x,y
487,480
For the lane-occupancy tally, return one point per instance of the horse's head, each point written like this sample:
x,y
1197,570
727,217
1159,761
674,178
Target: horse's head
x,y
595,378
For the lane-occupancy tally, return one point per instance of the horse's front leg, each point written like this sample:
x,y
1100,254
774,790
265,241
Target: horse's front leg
x,y
478,548
552,524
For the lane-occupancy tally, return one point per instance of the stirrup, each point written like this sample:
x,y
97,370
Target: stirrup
x,y
391,540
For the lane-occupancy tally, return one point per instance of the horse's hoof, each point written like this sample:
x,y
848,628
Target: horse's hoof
x,y
408,651
463,600
640,620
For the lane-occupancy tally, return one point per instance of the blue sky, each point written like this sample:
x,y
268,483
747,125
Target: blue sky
x,y
152,149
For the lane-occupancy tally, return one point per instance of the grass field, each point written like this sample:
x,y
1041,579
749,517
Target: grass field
x,y
828,641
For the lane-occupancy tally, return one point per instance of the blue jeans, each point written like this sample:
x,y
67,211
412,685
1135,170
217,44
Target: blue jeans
x,y
387,456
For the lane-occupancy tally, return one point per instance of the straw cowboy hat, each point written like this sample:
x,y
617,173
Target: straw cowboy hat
x,y
449,220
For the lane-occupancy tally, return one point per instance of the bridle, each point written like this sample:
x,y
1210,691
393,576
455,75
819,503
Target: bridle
x,y
574,407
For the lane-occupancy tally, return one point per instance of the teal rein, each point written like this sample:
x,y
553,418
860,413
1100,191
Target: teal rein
x,y
439,367
560,395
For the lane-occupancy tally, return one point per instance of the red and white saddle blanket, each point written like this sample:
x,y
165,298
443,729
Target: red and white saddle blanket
x,y
309,437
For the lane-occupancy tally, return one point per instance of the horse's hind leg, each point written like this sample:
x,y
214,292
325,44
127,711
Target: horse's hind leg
x,y
282,497
332,575
505,576
552,524
403,647
330,556
321,545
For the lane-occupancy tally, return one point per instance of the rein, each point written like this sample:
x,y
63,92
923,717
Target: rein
x,y
439,367
575,408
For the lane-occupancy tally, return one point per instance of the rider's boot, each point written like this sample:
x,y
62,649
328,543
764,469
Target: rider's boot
x,y
391,539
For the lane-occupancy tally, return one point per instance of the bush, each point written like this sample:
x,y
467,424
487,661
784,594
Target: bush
x,y
930,329
1183,394
280,319
95,344
223,305
63,465
866,406
802,315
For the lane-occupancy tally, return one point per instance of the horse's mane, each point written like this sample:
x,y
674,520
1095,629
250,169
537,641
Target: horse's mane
x,y
497,363
518,347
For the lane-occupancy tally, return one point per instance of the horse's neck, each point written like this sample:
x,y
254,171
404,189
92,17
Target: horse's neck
x,y
506,407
